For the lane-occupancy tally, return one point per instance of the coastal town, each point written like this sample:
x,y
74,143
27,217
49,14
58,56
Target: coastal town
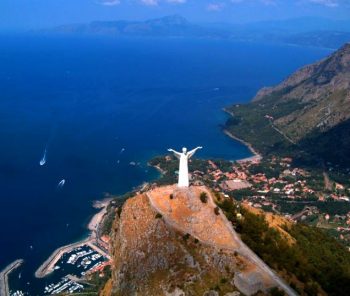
x,y
274,185
318,198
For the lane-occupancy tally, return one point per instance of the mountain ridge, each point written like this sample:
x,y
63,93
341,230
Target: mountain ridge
x,y
309,108
331,34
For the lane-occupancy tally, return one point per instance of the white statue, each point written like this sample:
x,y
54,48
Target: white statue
x,y
183,170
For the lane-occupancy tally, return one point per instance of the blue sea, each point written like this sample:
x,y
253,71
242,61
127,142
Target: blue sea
x,y
97,104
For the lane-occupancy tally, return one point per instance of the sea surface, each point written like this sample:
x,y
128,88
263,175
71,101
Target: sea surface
x,y
97,104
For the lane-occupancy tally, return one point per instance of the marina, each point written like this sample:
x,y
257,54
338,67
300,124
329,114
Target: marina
x,y
65,285
48,266
92,241
78,263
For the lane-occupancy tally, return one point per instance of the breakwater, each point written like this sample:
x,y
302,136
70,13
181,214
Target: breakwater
x,y
48,266
4,286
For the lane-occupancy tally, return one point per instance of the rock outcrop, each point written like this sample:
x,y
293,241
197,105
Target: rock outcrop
x,y
168,242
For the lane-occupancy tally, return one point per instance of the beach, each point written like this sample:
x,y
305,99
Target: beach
x,y
255,157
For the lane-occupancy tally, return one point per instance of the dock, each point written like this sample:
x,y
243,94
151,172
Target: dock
x,y
92,241
4,286
48,266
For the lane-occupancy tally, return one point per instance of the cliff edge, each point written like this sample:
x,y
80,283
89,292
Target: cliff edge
x,y
175,241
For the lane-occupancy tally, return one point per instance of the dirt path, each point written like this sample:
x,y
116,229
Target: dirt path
x,y
160,203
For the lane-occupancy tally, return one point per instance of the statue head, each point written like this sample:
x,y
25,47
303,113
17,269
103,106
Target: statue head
x,y
184,150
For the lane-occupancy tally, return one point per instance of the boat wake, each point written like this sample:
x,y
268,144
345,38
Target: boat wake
x,y
61,183
43,159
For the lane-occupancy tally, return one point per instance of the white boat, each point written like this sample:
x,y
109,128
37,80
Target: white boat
x,y
43,160
61,183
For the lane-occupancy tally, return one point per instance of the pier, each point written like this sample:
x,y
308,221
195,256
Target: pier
x,y
48,266
92,241
4,286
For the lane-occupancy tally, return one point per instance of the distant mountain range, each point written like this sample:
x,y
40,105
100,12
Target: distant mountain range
x,y
303,31
169,26
308,111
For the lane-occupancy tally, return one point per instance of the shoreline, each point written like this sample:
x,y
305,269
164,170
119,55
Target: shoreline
x,y
256,157
158,168
48,265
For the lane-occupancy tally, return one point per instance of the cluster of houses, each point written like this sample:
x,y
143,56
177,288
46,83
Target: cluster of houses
x,y
239,177
264,190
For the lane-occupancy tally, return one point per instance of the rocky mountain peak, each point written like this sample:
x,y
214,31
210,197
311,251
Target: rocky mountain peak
x,y
169,241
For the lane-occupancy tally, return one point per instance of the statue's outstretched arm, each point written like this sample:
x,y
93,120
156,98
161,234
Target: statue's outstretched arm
x,y
177,154
190,153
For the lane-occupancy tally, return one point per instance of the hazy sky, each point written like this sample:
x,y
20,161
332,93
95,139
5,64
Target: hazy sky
x,y
28,14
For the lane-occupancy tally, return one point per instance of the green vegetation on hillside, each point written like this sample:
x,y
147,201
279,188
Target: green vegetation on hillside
x,y
308,112
317,260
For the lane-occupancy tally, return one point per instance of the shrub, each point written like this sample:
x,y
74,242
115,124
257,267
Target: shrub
x,y
171,196
217,211
203,197
158,216
186,237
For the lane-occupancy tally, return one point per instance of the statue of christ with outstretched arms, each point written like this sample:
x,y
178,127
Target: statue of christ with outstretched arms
x,y
183,169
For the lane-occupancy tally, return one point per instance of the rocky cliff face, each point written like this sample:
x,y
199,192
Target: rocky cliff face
x,y
161,247
310,108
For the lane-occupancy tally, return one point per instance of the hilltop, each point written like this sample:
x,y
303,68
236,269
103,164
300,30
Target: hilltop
x,y
174,241
309,111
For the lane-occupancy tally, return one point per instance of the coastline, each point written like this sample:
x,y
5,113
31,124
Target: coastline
x,y
48,265
158,168
256,157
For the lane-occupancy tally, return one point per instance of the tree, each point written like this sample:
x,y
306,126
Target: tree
x,y
203,197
